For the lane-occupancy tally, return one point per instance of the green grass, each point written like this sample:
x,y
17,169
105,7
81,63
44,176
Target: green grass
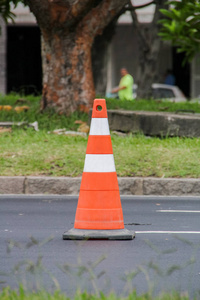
x,y
47,120
8,294
153,105
27,152
171,157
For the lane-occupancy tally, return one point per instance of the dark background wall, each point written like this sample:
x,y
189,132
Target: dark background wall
x,y
24,67
181,72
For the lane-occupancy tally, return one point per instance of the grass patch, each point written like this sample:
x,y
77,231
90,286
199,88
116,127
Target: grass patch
x,y
47,120
144,157
26,152
153,105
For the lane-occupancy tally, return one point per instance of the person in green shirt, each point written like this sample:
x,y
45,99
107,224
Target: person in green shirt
x,y
125,88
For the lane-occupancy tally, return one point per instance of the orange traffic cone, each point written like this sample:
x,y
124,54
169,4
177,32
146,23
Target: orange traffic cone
x,y
99,213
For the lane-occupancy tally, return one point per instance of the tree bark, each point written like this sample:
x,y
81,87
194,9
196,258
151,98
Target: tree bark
x,y
68,29
100,57
149,47
67,77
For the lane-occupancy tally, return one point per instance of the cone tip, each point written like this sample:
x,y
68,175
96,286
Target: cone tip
x,y
99,109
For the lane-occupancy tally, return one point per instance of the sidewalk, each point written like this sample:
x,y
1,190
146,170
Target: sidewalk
x,y
127,186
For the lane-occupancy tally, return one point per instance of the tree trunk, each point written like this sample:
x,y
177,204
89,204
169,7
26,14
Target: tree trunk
x,y
100,58
68,30
67,77
149,48
148,60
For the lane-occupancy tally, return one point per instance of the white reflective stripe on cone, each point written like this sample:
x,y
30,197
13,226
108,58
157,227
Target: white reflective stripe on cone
x,y
99,163
99,126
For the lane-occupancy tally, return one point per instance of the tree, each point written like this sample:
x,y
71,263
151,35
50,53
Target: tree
x,y
149,44
68,30
100,57
181,26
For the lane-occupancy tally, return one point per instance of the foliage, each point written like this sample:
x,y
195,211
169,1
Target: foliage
x,y
5,9
30,273
7,293
181,26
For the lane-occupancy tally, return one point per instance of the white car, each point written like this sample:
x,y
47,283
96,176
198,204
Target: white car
x,y
167,92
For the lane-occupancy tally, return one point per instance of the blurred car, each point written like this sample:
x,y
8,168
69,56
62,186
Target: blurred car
x,y
167,92
159,92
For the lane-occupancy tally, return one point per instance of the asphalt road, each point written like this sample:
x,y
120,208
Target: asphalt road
x,y
163,256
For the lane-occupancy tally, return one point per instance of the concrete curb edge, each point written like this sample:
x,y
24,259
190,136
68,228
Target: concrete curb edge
x,y
127,186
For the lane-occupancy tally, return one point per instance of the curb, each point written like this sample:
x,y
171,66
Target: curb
x,y
127,186
155,123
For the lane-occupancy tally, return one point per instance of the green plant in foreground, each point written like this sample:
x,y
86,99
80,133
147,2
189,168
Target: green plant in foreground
x,y
8,294
32,287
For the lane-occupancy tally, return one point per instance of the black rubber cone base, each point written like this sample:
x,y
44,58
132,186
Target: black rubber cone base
x,y
85,234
